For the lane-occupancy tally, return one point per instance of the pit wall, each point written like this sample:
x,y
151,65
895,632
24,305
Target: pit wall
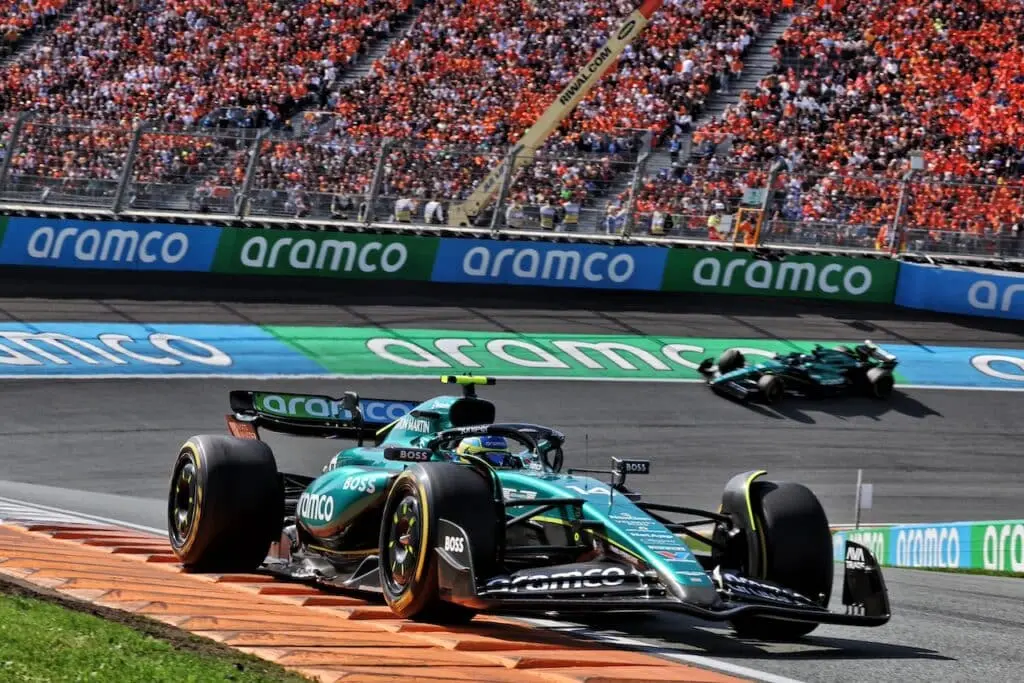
x,y
108,245
996,546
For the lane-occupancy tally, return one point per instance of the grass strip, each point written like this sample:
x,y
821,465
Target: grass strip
x,y
47,638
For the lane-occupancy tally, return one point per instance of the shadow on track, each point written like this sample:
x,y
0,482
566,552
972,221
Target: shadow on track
x,y
253,299
798,409
675,631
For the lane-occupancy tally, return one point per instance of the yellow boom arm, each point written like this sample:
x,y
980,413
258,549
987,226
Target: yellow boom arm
x,y
578,88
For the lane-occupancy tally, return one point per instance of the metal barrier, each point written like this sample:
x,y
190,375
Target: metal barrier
x,y
321,176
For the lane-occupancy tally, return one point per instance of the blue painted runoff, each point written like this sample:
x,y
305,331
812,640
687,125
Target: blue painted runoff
x,y
125,349
959,366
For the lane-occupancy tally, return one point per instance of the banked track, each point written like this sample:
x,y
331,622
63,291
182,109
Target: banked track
x,y
932,455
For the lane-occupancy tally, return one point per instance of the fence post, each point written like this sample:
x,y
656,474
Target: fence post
x,y
856,500
12,146
901,206
634,187
129,165
506,183
378,177
242,198
773,173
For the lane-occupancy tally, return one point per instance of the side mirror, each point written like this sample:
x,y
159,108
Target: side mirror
x,y
350,401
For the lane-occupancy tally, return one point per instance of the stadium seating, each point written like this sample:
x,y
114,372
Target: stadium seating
x,y
19,18
481,72
112,64
121,61
473,72
860,87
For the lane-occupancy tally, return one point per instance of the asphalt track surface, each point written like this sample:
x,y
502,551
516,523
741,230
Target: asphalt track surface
x,y
105,447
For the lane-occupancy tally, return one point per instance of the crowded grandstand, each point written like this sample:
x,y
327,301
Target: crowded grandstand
x,y
875,125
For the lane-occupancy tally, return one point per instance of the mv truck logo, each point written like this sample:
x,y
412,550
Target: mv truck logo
x,y
855,557
527,263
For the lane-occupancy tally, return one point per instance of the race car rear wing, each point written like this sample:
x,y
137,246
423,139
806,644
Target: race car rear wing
x,y
347,417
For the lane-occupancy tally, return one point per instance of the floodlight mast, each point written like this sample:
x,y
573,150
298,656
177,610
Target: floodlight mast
x,y
578,88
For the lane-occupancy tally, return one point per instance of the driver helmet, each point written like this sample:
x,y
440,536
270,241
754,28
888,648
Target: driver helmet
x,y
493,449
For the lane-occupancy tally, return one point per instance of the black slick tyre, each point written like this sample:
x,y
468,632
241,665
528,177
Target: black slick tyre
x,y
420,497
880,383
798,554
772,388
225,505
731,359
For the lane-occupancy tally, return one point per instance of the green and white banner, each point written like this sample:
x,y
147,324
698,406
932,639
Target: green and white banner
x,y
996,546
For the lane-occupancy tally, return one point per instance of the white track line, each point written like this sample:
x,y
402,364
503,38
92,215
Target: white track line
x,y
433,377
23,511
648,648
19,510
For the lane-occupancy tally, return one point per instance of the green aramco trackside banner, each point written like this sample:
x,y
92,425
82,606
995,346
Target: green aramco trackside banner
x,y
817,277
325,254
110,245
996,546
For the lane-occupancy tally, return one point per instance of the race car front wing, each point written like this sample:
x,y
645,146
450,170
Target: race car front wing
x,y
607,587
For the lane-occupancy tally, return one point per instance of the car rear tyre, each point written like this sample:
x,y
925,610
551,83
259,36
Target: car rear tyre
x,y
419,498
880,383
225,506
772,388
730,360
798,549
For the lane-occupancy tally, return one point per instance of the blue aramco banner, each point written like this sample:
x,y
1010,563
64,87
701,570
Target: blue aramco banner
x,y
965,291
549,264
60,243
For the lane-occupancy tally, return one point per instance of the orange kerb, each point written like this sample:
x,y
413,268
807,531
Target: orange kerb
x,y
322,636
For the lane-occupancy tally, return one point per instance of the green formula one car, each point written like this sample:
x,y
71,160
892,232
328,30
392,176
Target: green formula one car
x,y
864,370
448,513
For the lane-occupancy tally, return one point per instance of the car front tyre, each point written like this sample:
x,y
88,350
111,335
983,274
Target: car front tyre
x,y
419,498
731,359
798,547
772,388
880,383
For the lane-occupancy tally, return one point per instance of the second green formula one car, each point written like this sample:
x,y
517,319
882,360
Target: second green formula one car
x,y
448,513
864,370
